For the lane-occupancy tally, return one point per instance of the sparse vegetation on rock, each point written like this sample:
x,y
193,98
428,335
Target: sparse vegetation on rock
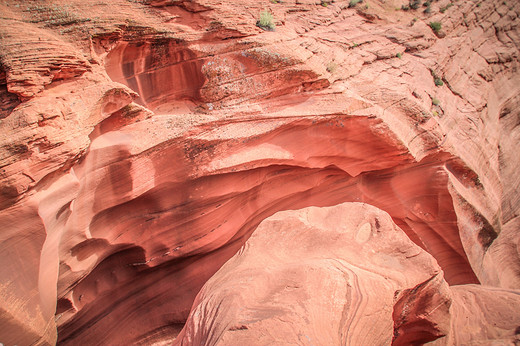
x,y
353,3
142,144
412,4
266,21
53,15
436,26
415,4
443,9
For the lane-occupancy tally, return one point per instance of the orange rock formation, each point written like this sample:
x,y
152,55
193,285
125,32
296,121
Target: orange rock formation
x,y
143,143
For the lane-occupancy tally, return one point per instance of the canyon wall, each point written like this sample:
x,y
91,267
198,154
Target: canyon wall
x,y
142,143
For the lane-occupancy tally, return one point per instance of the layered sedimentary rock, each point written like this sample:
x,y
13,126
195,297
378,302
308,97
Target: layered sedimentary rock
x,y
309,276
142,145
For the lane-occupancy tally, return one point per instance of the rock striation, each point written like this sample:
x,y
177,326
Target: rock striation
x,y
142,143
309,277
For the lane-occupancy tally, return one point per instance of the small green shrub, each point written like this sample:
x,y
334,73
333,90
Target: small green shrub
x,y
443,9
438,81
479,4
436,26
266,21
353,3
435,101
414,4
399,55
427,10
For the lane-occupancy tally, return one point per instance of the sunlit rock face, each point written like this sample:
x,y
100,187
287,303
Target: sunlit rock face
x,y
188,208
142,143
310,276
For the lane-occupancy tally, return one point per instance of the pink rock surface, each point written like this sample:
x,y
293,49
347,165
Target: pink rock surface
x,y
311,276
484,316
343,275
142,143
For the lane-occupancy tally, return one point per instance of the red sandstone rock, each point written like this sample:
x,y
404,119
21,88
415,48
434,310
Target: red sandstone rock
x,y
141,144
344,275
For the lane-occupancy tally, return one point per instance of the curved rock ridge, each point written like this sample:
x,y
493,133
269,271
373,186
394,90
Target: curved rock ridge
x,y
143,142
187,220
343,275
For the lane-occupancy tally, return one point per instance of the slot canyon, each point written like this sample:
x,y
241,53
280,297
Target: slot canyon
x,y
175,172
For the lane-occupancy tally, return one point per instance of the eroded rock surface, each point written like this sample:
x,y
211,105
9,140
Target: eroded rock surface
x,y
343,275
142,143
308,277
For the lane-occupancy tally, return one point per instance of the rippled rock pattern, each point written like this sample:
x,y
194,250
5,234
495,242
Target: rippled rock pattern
x,y
143,143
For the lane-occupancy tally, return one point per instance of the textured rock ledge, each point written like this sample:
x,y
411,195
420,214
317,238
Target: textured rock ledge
x,y
343,275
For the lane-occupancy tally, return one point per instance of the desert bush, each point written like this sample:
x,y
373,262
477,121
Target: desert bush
x,y
414,4
353,3
443,9
266,21
53,15
436,26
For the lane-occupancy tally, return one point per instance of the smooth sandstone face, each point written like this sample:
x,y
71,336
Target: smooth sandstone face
x,y
343,275
142,145
308,276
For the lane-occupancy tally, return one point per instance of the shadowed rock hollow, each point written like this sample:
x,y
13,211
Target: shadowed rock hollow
x,y
161,72
144,143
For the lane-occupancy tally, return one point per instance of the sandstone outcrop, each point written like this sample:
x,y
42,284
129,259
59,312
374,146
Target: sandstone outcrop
x,y
309,277
143,142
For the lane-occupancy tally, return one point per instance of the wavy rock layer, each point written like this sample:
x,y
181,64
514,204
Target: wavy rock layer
x,y
179,225
308,277
142,143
